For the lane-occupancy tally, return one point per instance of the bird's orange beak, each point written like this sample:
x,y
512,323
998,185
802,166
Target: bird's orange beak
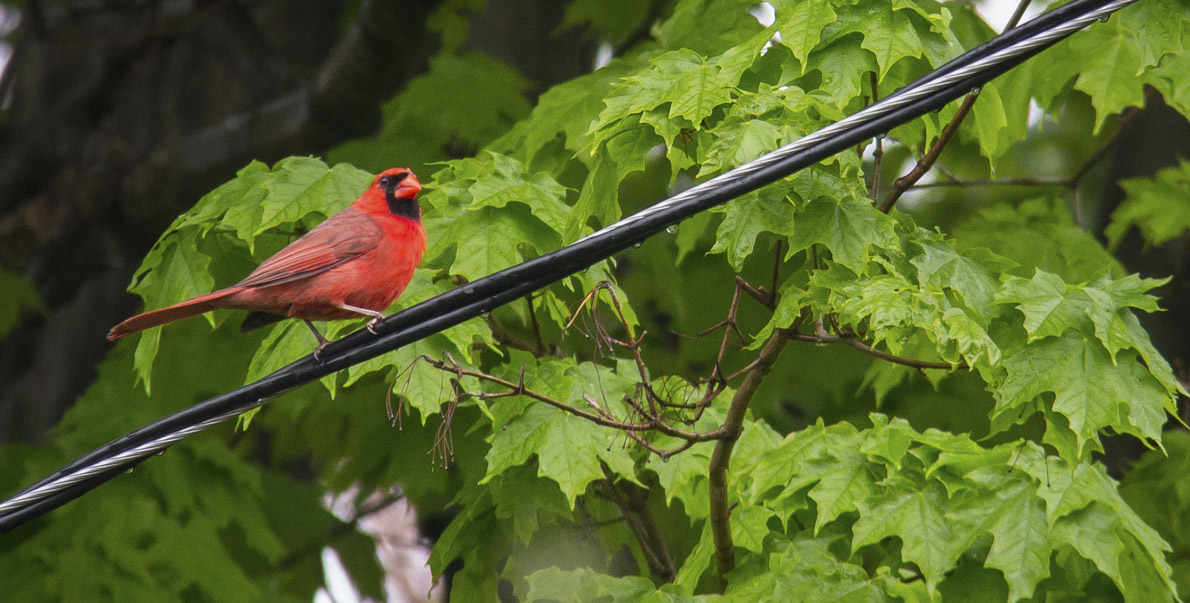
x,y
409,187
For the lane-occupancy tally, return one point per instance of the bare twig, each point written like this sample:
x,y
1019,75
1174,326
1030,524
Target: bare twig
x,y
1026,181
521,390
764,298
867,349
1072,182
600,417
1017,14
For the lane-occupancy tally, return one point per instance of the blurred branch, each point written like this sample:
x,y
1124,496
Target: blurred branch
x,y
345,526
633,503
1071,182
386,47
643,31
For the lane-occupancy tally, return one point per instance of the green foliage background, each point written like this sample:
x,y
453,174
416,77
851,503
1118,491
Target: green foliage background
x,y
854,478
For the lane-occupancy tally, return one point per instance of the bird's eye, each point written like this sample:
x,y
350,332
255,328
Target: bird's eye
x,y
384,182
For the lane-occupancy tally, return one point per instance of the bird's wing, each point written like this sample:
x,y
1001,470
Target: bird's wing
x,y
340,238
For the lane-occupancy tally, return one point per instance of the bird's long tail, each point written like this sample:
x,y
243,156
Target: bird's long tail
x,y
186,309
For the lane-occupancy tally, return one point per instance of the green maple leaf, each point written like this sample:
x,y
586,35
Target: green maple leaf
x,y
1038,234
747,216
490,239
1159,208
526,500
509,182
1022,544
1091,391
843,70
570,450
990,121
1044,302
934,542
1051,307
177,272
1108,60
692,85
598,198
309,190
844,481
801,26
738,143
847,227
889,34
971,274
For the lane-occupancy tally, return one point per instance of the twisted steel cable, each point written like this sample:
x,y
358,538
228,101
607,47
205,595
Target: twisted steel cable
x,y
943,85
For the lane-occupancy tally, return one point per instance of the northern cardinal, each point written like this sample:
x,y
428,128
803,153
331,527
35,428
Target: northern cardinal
x,y
353,264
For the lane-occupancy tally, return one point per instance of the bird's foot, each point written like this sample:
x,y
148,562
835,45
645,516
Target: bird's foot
x,y
322,341
376,316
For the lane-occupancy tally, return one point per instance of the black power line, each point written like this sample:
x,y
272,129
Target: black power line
x,y
943,85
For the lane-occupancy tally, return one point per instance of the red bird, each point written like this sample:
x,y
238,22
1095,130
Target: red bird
x,y
353,264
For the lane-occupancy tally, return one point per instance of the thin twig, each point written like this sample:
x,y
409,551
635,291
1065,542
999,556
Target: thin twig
x,y
519,389
878,153
1072,182
601,417
1015,19
533,324
1026,181
867,349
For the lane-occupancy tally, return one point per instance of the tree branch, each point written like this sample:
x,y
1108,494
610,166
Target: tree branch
x,y
733,425
904,183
